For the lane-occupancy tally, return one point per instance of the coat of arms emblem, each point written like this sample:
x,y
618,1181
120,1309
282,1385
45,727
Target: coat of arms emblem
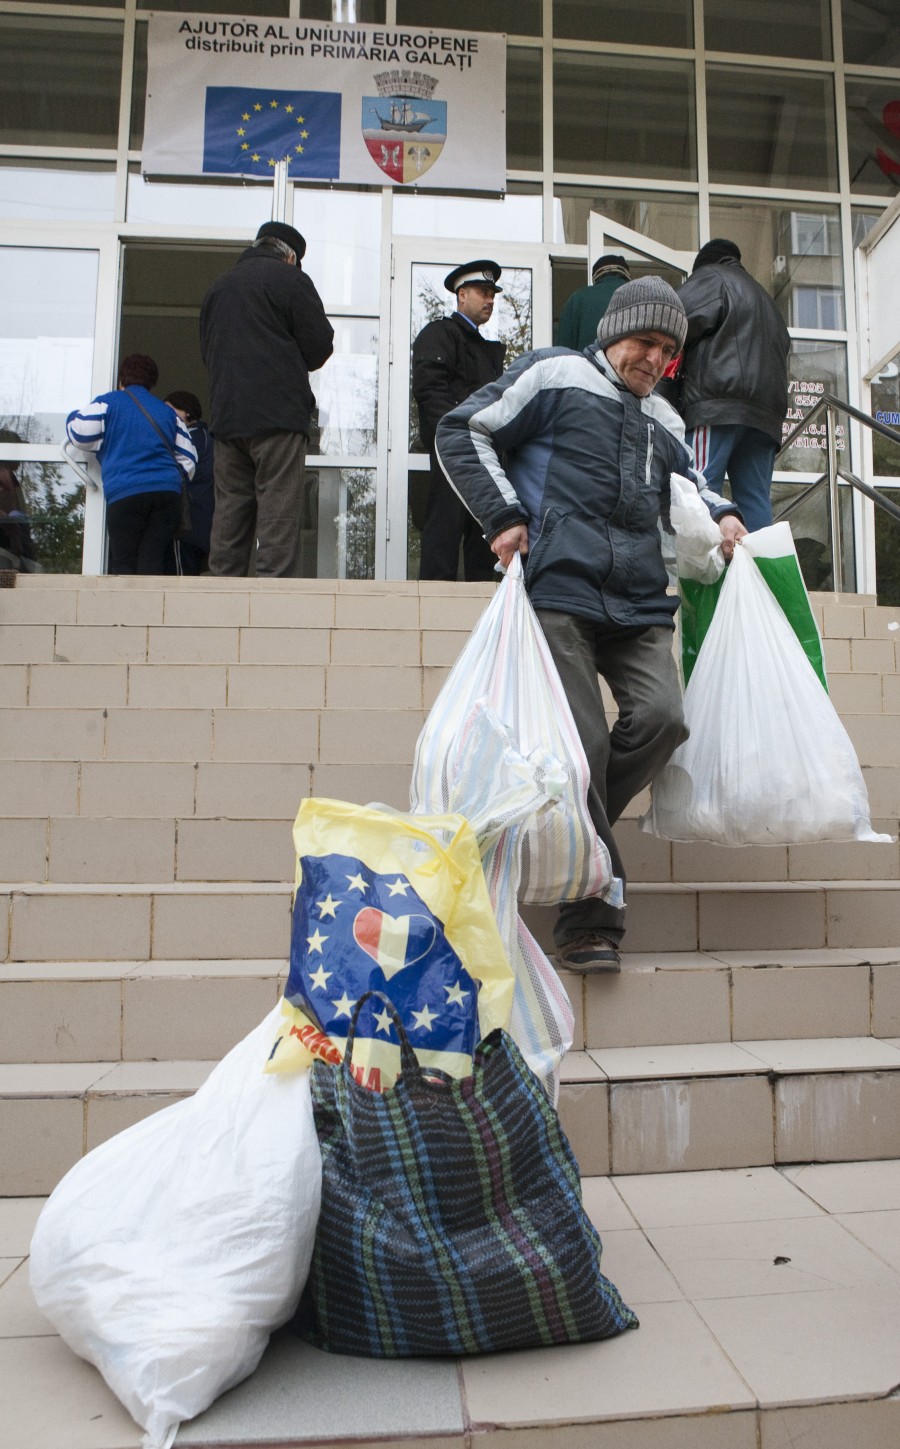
x,y
404,127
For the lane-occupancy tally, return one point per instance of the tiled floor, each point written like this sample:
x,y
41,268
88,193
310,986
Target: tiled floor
x,y
769,1303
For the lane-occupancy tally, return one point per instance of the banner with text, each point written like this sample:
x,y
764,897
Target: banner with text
x,y
232,96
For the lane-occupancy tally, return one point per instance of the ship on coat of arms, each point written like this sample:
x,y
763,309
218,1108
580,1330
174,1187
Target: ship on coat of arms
x,y
404,127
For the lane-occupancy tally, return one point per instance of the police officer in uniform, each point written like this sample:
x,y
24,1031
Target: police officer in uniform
x,y
451,359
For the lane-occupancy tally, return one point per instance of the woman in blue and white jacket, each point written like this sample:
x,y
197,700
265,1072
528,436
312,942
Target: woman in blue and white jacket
x,y
141,445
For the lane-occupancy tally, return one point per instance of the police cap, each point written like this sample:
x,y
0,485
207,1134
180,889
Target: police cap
x,y
483,273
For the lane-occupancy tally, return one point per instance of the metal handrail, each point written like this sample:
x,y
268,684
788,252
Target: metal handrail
x,y
831,406
79,464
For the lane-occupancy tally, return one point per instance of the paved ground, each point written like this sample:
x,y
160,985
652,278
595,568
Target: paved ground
x,y
761,1291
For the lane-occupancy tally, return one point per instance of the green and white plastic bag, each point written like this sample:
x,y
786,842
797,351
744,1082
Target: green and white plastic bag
x,y
776,557
768,761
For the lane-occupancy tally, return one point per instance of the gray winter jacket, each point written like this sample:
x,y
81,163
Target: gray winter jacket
x,y
735,358
587,468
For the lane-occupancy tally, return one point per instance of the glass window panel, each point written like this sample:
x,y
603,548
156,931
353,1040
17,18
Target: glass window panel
x,y
237,7
669,219
61,81
873,135
57,190
817,307
198,203
771,128
337,539
138,87
343,244
887,552
47,302
624,117
504,17
811,527
871,32
625,22
792,251
524,113
813,369
517,216
509,323
346,391
769,27
44,529
886,409
862,222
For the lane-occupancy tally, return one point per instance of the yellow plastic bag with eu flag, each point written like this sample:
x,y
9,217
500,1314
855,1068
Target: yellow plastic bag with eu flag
x,y
398,904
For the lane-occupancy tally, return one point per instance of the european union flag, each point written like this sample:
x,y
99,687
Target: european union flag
x,y
247,132
353,929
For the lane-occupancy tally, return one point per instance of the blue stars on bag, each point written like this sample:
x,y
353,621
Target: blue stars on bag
x,y
354,928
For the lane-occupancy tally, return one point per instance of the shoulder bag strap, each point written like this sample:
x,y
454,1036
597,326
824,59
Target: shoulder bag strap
x,y
155,425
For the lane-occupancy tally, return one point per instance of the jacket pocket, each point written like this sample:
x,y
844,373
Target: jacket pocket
x,y
572,550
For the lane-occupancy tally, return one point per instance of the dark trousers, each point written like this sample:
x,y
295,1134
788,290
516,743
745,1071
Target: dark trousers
x,y
259,496
448,523
640,670
140,529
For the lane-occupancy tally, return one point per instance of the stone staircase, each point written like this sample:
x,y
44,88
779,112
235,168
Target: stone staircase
x,y
157,736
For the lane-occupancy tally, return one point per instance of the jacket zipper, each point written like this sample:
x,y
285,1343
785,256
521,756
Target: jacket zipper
x,y
649,464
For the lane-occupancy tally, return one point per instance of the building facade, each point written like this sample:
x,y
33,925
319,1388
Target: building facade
x,y
649,127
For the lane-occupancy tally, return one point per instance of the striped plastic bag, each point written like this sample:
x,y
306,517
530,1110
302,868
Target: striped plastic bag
x,y
507,665
500,747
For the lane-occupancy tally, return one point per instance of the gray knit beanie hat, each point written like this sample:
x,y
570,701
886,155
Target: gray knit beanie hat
x,y
646,305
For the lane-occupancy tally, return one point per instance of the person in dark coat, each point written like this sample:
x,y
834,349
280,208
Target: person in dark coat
x,y
194,549
451,360
567,460
733,380
263,330
581,315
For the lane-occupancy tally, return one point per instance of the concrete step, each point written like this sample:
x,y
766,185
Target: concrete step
x,y
132,1011
732,1104
118,848
626,1110
77,1011
207,921
769,1306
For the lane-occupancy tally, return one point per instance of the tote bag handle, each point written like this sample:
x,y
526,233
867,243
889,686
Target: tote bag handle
x,y
409,1062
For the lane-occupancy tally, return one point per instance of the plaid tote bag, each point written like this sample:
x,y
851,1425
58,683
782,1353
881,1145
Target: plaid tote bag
x,y
451,1219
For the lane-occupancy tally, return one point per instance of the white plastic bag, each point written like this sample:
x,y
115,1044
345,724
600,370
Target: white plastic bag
x,y
167,1256
501,748
768,761
698,540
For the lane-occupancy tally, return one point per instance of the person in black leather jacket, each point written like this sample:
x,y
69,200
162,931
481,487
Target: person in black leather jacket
x,y
451,360
733,382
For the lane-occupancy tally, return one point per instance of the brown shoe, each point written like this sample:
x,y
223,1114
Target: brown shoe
x,y
589,953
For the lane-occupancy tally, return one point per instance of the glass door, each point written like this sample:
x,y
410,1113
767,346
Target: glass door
x,y
521,319
644,256
53,352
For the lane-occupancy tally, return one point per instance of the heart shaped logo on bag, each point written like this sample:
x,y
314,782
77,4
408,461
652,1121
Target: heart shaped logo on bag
x,y
393,942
